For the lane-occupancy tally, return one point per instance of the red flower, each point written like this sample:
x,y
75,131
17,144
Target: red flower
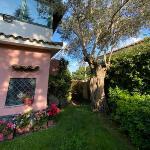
x,y
53,110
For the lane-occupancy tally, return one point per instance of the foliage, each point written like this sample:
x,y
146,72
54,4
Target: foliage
x,y
22,13
131,68
78,129
53,111
140,47
23,120
133,113
91,28
6,128
59,84
39,118
48,9
83,73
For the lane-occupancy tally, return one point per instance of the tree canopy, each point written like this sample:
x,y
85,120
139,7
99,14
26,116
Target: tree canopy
x,y
91,28
83,73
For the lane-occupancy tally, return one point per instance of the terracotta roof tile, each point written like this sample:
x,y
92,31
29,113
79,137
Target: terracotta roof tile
x,y
31,40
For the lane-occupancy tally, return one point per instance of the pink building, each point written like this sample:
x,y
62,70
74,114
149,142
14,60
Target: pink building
x,y
25,53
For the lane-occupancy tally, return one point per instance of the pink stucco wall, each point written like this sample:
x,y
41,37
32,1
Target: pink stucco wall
x,y
21,56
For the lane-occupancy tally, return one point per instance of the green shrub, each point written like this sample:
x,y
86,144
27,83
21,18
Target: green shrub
x,y
132,112
59,85
130,69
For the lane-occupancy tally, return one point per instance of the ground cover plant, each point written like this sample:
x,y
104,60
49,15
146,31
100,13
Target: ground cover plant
x,y
77,128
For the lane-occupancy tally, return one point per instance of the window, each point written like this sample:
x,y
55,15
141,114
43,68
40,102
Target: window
x,y
28,11
19,87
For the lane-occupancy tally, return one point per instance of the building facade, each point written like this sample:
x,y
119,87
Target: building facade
x,y
25,53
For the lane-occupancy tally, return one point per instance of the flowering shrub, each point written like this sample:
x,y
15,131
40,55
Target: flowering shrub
x,y
53,111
1,136
24,123
40,118
23,120
6,128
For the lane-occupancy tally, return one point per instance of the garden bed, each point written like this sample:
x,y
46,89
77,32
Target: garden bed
x,y
28,122
77,128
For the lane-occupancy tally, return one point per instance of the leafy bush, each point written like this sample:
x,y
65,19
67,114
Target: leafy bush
x,y
40,118
133,114
131,68
59,85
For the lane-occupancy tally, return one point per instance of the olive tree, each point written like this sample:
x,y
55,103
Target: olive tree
x,y
92,28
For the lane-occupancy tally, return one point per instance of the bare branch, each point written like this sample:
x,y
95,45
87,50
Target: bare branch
x,y
116,12
95,44
112,20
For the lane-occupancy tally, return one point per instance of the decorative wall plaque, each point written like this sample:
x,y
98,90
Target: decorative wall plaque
x,y
25,68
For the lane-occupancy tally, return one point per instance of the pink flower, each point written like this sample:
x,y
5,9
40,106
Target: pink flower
x,y
10,125
1,136
2,122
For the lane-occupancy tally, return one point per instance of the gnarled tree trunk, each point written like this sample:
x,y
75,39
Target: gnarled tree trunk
x,y
97,92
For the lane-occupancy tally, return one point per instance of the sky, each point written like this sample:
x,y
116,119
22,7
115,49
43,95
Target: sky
x,y
9,7
74,65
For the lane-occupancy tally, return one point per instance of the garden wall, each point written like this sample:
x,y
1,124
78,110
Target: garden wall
x,y
80,91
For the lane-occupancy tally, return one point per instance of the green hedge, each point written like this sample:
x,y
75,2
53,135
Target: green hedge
x,y
130,102
131,68
133,114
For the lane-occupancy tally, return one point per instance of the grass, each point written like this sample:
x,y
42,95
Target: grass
x,y
77,129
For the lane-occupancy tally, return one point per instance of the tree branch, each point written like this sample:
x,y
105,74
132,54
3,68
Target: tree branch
x,y
82,39
112,20
95,44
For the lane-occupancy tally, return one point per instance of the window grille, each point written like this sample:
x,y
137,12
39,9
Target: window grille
x,y
18,88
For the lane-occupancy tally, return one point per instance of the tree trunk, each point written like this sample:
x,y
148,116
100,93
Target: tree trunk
x,y
97,92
